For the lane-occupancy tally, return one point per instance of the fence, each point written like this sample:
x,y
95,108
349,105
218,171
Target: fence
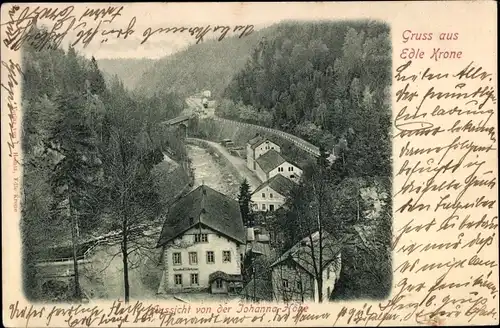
x,y
300,143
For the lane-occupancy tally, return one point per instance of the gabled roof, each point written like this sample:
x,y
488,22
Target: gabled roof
x,y
278,183
207,207
270,160
258,140
224,276
255,140
301,252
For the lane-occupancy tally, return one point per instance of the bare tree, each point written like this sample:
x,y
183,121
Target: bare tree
x,y
131,197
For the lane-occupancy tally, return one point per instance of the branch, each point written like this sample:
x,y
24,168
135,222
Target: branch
x,y
109,263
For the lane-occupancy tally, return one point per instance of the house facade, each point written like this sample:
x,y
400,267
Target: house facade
x,y
272,194
257,147
273,163
294,275
203,234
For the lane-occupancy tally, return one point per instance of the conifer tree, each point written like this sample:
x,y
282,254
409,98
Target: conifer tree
x,y
76,174
245,198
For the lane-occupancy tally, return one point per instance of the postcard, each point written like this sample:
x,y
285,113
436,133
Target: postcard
x,y
249,164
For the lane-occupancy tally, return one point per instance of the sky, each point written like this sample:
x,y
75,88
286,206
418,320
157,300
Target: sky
x,y
152,16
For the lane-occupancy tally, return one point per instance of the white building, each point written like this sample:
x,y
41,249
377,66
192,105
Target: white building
x,y
207,93
294,275
203,243
272,163
257,147
272,194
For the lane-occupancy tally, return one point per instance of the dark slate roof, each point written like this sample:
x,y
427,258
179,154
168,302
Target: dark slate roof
x,y
224,276
260,249
270,160
278,183
259,140
256,141
301,252
207,207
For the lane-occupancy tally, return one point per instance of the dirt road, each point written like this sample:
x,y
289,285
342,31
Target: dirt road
x,y
239,163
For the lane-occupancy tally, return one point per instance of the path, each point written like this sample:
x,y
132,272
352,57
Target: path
x,y
237,162
207,171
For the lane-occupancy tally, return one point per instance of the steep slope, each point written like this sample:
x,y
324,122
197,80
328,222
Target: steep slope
x,y
207,65
128,70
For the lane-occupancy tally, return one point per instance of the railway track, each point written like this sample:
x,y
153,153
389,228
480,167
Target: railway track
x,y
298,142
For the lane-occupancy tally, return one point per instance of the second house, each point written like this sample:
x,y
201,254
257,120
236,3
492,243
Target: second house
x,y
273,163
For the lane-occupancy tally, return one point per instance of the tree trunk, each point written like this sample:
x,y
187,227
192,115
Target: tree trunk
x,y
125,259
74,243
254,283
320,289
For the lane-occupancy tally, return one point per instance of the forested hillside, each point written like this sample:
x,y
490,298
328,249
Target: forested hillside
x,y
208,65
88,153
128,70
315,80
330,84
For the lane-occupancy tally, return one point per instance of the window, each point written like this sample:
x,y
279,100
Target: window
x,y
178,279
299,285
177,258
193,258
292,176
328,273
280,169
218,283
226,256
194,279
284,282
263,195
271,207
263,206
241,257
328,293
201,238
290,168
210,257
270,195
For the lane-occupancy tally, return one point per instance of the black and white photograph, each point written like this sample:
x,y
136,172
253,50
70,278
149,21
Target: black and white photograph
x,y
252,164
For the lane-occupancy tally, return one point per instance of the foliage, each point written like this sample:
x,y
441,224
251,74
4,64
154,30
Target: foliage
x,y
208,65
78,136
317,79
245,199
328,83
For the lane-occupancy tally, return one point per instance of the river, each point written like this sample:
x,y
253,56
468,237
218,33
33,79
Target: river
x,y
211,171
